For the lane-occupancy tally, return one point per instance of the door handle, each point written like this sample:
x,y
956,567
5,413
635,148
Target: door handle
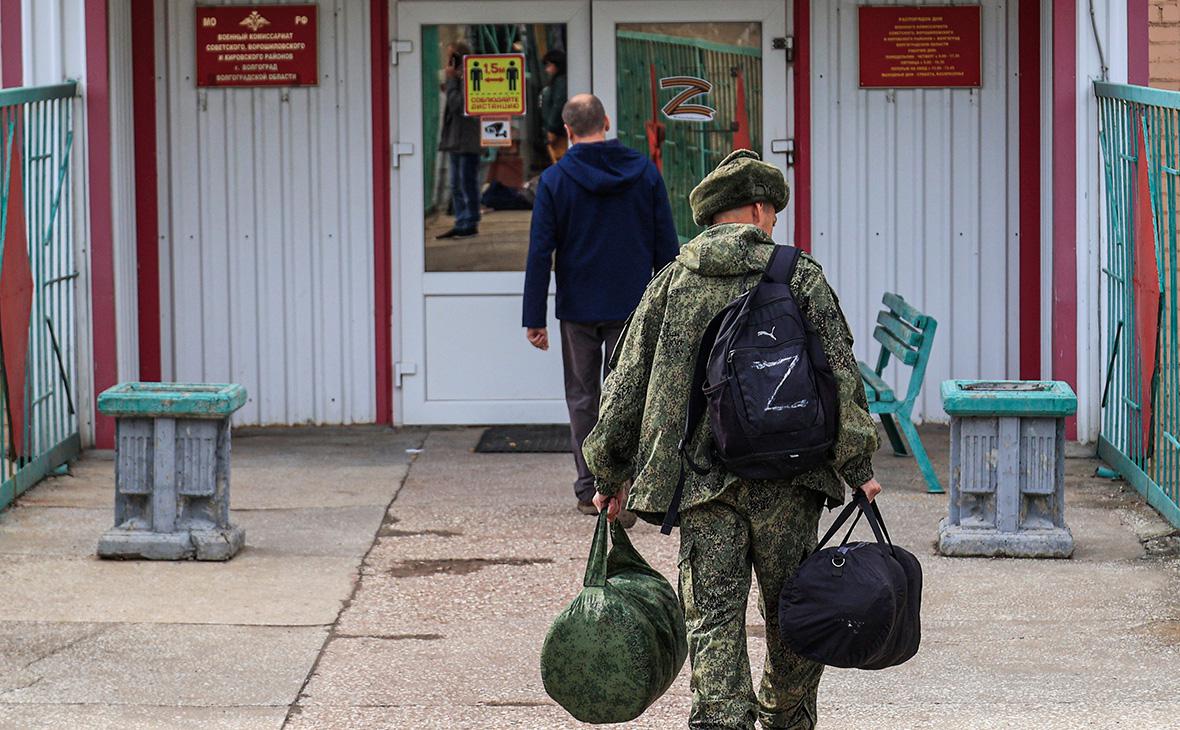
x,y
784,147
398,149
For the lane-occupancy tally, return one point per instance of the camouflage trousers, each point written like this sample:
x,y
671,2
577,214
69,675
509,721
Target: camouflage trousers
x,y
772,528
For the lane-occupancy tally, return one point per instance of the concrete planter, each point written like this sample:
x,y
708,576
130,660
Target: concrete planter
x,y
1007,494
172,455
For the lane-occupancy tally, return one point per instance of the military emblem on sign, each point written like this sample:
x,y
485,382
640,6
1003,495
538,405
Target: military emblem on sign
x,y
254,21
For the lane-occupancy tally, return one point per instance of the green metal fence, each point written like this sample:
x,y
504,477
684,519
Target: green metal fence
x,y
1149,459
690,149
38,422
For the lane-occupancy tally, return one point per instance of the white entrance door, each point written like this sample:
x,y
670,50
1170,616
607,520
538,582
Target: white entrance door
x,y
689,81
685,93
463,356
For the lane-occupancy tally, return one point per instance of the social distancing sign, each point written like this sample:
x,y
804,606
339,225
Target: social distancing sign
x,y
494,84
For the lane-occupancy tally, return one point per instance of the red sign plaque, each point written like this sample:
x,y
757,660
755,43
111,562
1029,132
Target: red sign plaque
x,y
256,45
920,47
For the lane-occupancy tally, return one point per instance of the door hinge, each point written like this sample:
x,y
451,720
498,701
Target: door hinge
x,y
397,149
396,48
784,147
402,369
785,43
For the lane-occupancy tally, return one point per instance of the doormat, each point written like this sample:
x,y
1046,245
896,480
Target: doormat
x,y
531,439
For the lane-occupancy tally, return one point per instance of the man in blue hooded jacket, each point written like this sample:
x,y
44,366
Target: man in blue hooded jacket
x,y
604,212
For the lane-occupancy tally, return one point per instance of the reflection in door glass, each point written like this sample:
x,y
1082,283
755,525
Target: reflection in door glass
x,y
688,94
479,173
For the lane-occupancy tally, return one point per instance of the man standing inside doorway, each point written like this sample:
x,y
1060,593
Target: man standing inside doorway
x,y
552,102
460,138
603,212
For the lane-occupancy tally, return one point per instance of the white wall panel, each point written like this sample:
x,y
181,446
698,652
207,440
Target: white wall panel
x,y
266,227
53,49
54,41
913,193
1108,31
123,189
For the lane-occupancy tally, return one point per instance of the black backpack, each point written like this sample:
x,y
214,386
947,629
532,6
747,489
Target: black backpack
x,y
857,605
762,375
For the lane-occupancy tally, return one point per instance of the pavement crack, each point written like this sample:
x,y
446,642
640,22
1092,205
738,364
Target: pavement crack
x,y
393,637
387,531
23,686
294,708
66,646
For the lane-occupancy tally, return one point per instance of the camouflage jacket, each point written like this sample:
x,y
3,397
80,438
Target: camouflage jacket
x,y
645,397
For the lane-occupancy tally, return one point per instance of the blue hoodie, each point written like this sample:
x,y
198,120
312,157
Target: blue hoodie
x,y
604,210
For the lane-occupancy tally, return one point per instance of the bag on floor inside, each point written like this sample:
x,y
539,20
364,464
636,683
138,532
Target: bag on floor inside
x,y
619,645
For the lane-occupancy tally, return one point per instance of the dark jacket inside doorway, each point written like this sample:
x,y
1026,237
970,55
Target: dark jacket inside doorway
x,y
459,133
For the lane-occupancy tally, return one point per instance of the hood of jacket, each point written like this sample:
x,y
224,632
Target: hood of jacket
x,y
603,167
727,249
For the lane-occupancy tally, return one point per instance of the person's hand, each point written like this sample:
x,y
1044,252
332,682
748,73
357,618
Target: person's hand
x,y
613,504
871,488
538,337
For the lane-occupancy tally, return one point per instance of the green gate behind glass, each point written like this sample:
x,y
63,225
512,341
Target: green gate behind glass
x,y
690,149
36,150
1150,460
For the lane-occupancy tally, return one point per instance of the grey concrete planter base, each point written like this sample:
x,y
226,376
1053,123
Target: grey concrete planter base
x,y
215,545
1007,494
172,471
961,542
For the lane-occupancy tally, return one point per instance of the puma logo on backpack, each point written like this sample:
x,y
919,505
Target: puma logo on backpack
x,y
763,378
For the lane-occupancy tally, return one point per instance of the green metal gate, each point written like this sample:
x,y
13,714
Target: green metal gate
x,y
38,422
1149,460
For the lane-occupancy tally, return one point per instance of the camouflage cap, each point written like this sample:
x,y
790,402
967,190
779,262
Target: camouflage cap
x,y
741,178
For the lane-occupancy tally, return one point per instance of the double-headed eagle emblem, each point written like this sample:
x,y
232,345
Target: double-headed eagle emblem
x,y
254,21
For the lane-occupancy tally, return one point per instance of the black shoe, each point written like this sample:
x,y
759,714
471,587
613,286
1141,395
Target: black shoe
x,y
466,232
449,234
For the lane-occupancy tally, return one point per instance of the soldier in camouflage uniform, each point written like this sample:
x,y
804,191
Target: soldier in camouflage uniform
x,y
727,524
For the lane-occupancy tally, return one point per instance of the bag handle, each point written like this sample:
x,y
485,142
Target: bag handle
x,y
875,514
862,506
599,548
872,516
836,525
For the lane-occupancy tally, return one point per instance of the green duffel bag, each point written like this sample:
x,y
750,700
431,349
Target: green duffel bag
x,y
619,645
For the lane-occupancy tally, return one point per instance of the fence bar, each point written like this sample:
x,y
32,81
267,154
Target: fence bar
x,y
36,127
1149,459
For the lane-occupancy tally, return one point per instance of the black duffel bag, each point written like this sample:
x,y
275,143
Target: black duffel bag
x,y
857,605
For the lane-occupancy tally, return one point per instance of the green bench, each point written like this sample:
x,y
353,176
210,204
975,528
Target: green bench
x,y
908,335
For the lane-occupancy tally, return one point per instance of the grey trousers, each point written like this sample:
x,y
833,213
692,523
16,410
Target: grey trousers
x,y
586,348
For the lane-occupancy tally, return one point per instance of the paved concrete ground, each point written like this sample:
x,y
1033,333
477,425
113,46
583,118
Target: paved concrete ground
x,y
88,643
342,613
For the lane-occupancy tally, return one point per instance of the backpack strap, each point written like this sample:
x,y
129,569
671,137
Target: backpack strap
x,y
779,270
692,418
781,266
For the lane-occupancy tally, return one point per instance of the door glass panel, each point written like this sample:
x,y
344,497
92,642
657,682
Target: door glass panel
x,y
487,188
688,94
